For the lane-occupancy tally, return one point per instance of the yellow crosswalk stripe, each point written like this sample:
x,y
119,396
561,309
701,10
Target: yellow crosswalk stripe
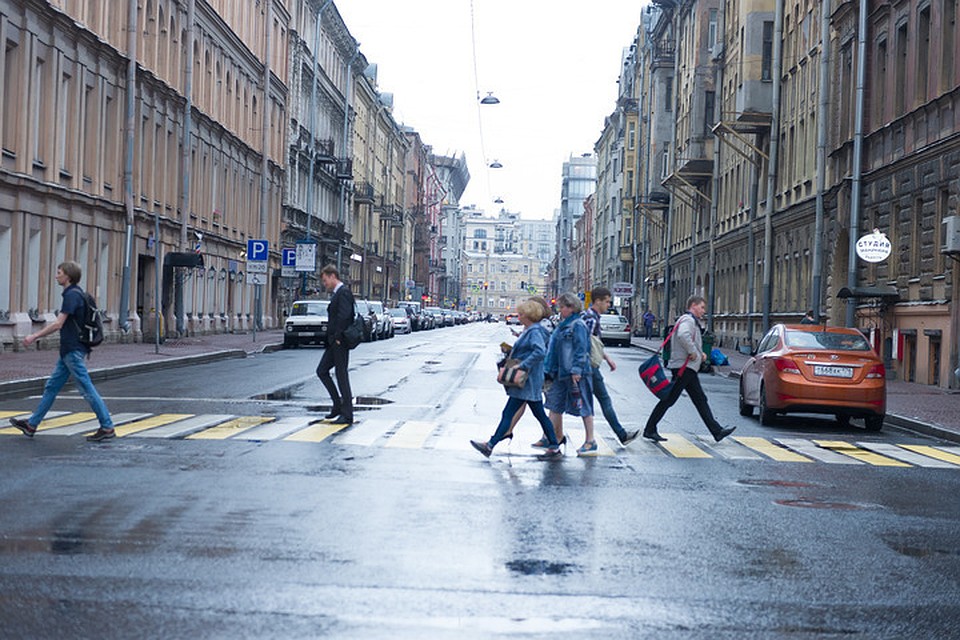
x,y
316,433
229,428
604,449
933,452
857,453
772,451
12,414
57,419
680,447
412,435
149,423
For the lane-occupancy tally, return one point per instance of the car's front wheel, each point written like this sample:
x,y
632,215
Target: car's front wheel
x,y
766,415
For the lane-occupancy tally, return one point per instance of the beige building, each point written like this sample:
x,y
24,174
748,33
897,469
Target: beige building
x,y
65,189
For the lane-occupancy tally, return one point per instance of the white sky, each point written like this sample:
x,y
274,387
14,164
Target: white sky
x,y
552,63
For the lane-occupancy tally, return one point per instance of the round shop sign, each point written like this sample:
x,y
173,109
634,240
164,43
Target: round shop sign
x,y
874,247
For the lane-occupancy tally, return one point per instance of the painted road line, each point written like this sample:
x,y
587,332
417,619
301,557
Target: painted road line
x,y
13,414
679,447
727,449
181,428
953,450
13,431
411,435
92,425
916,459
457,436
808,448
276,429
366,433
149,423
603,449
229,428
933,452
771,450
857,453
317,432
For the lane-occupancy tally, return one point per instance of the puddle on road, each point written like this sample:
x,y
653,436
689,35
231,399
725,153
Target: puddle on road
x,y
540,567
775,483
284,393
816,503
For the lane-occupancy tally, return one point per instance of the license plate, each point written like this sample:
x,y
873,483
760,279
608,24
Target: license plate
x,y
832,371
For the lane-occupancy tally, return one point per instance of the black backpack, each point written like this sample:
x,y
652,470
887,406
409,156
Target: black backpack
x,y
91,329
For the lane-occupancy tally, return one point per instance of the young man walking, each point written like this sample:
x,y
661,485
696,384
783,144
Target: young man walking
x,y
686,354
600,304
340,315
71,362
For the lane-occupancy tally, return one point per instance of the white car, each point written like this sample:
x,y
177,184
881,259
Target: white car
x,y
307,323
614,329
401,320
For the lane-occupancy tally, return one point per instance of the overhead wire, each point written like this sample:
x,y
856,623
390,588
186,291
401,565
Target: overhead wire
x,y
476,85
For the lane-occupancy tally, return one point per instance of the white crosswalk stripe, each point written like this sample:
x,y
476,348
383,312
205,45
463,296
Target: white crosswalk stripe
x,y
904,455
808,448
184,427
276,429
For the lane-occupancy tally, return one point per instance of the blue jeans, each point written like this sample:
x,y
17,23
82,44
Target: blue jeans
x,y
513,405
72,363
606,404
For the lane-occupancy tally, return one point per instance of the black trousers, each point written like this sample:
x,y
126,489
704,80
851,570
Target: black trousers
x,y
689,381
337,356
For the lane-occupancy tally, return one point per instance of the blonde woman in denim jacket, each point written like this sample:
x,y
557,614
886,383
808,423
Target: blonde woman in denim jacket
x,y
568,365
530,349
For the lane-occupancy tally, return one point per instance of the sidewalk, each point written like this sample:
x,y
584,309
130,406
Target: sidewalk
x,y
919,407
25,372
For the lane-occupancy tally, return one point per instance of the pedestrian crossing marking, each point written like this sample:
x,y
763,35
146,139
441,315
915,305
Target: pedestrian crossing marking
x,y
857,453
366,433
411,435
180,428
727,449
4,415
317,432
148,423
680,447
808,448
13,431
771,450
86,426
933,453
603,449
276,429
230,428
913,458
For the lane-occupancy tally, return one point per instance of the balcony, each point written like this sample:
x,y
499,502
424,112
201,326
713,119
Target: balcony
x,y
363,193
344,169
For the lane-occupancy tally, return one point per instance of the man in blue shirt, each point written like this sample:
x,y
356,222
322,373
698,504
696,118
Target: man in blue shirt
x,y
72,354
600,303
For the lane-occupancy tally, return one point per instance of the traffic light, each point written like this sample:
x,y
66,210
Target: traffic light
x,y
523,284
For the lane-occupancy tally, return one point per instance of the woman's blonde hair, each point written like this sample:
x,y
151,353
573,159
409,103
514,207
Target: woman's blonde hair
x,y
531,309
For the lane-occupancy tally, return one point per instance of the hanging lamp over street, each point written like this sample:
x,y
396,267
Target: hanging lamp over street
x,y
490,99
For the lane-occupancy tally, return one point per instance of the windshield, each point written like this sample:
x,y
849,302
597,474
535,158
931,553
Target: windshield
x,y
318,308
827,340
397,313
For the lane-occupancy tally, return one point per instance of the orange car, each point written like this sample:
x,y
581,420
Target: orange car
x,y
815,369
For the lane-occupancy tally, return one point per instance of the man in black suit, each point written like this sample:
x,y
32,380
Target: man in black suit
x,y
340,315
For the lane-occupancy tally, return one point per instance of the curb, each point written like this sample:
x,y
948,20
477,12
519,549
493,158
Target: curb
x,y
33,386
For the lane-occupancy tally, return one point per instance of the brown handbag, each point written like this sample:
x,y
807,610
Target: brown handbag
x,y
510,374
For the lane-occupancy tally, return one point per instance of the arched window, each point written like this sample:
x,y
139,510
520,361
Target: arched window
x,y
164,40
480,233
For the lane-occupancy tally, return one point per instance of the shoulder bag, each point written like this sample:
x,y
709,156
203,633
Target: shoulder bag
x,y
653,374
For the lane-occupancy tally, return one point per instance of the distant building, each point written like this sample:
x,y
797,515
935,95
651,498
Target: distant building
x,y
578,180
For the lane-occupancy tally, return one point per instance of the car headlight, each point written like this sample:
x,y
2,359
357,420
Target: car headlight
x,y
289,327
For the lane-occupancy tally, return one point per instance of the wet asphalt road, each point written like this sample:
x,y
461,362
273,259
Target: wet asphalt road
x,y
424,538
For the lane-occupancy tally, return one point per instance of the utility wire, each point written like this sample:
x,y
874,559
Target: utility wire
x,y
476,85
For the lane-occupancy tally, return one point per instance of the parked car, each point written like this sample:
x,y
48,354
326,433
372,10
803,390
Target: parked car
x,y
383,321
413,310
437,314
815,369
306,324
369,327
401,320
513,318
614,329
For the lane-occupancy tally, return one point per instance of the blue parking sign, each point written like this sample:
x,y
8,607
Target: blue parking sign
x,y
288,257
258,250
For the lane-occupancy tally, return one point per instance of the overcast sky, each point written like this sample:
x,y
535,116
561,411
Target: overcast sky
x,y
552,63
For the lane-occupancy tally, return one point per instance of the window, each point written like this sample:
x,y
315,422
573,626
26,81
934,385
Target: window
x,y
900,70
11,93
39,109
64,112
923,54
943,210
668,94
709,105
480,233
880,80
916,238
766,63
948,19
712,30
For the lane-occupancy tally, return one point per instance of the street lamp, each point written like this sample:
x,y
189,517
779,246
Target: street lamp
x,y
490,99
496,165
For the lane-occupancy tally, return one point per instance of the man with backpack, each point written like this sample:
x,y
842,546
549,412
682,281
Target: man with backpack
x,y
73,350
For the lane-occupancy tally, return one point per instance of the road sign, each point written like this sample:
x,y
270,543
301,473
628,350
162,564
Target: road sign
x,y
258,250
256,278
288,262
306,256
256,267
622,289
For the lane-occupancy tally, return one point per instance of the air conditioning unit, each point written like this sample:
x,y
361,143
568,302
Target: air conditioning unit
x,y
951,235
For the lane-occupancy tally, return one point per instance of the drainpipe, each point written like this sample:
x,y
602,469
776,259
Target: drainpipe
x,y
648,53
816,295
124,318
265,158
856,184
185,160
772,165
673,163
341,221
313,128
715,191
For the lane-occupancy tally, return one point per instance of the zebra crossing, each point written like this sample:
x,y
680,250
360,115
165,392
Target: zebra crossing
x,y
449,436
